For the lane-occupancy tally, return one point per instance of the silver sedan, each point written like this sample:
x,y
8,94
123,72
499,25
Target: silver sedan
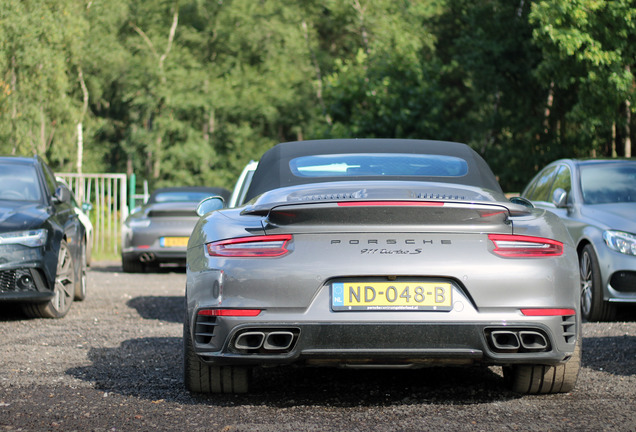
x,y
596,199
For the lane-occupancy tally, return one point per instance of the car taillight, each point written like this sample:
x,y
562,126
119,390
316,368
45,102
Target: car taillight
x,y
230,312
250,247
547,312
518,246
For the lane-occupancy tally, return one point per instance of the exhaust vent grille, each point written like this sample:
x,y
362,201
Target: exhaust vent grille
x,y
569,328
335,196
204,329
442,196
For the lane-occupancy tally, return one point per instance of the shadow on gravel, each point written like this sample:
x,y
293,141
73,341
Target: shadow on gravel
x,y
115,267
151,368
611,354
170,309
12,312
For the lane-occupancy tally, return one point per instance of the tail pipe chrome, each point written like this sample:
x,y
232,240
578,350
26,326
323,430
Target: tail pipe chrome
x,y
147,257
533,340
278,341
505,340
517,340
265,341
249,341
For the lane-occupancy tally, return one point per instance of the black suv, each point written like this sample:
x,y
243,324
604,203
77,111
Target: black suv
x,y
42,242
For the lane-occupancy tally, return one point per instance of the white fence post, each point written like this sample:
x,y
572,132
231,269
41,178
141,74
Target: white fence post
x,y
108,195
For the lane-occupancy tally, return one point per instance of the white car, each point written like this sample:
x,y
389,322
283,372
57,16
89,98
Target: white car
x,y
82,214
242,184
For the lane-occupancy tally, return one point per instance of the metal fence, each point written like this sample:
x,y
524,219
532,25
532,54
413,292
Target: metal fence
x,y
108,195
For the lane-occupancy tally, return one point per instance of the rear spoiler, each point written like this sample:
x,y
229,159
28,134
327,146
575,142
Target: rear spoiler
x,y
438,216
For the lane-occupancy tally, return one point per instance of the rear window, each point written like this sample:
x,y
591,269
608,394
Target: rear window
x,y
378,164
180,196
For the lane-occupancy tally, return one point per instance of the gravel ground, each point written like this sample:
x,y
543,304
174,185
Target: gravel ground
x,y
114,364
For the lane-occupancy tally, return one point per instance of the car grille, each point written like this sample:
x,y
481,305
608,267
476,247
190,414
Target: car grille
x,y
335,196
624,281
19,280
204,329
569,328
441,196
363,194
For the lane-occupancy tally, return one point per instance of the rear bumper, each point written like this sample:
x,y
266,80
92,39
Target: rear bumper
x,y
621,279
618,273
398,344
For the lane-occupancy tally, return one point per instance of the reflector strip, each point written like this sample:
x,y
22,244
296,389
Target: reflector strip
x,y
390,204
230,312
250,247
517,246
547,312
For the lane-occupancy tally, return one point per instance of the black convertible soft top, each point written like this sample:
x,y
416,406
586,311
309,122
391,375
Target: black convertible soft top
x,y
274,169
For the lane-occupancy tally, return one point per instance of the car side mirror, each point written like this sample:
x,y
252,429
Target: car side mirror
x,y
560,198
62,194
522,201
210,204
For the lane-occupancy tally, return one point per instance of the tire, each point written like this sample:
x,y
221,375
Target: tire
x,y
80,286
593,307
132,266
200,377
545,379
64,289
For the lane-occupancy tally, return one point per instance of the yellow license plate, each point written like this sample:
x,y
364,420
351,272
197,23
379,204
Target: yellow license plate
x,y
174,241
391,296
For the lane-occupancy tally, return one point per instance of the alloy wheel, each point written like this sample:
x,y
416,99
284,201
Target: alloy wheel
x,y
587,281
64,282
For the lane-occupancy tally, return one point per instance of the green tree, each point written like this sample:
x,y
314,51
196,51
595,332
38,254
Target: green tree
x,y
40,47
385,85
491,96
588,49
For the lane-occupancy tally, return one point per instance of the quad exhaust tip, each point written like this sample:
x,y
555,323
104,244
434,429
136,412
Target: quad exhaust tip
x,y
249,341
147,257
278,341
533,341
505,340
271,341
511,341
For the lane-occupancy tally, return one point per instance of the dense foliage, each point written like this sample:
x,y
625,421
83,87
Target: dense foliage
x,y
185,92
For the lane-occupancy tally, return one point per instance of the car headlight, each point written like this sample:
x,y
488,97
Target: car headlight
x,y
31,238
621,242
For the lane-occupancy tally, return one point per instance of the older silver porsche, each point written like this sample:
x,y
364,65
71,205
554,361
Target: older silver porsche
x,y
380,253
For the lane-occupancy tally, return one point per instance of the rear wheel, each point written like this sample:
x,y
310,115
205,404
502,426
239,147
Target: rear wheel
x,y
64,289
203,378
80,286
542,379
593,307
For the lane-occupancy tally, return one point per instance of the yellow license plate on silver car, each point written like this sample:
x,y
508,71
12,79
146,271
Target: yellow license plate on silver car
x,y
173,241
391,296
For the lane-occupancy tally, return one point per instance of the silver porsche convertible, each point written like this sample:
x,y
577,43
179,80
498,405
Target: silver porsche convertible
x,y
380,253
